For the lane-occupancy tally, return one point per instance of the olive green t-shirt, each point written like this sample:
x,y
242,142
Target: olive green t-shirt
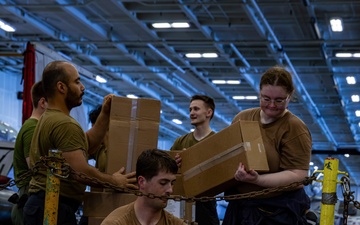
x,y
56,130
21,151
187,141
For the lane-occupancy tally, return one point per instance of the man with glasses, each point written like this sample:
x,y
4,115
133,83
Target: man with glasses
x,y
288,143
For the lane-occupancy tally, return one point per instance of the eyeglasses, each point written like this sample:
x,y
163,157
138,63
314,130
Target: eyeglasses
x,y
277,102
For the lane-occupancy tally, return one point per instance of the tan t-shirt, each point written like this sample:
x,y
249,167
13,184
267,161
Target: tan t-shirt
x,y
56,130
125,215
287,143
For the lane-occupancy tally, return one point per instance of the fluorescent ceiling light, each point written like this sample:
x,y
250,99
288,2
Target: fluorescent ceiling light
x,y
238,97
343,55
219,81
355,98
6,27
132,96
350,80
100,79
193,55
311,163
356,55
357,113
180,25
204,55
173,25
336,24
161,25
210,55
347,155
177,121
251,97
233,82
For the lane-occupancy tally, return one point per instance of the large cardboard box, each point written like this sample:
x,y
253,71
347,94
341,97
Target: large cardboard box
x,y
208,167
100,204
134,127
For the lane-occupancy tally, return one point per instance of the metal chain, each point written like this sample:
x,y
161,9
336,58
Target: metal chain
x,y
348,197
66,170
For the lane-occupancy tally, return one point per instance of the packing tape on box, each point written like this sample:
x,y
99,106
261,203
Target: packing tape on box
x,y
132,136
217,159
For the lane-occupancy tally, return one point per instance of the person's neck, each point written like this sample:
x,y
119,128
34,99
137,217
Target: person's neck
x,y
36,113
266,120
144,214
202,131
58,106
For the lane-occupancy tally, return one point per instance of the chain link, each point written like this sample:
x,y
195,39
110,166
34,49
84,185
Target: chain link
x,y
348,197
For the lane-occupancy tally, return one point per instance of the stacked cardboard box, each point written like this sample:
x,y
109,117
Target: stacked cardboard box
x,y
208,167
133,128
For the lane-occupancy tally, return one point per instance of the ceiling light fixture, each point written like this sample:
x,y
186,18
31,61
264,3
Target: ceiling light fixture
x,y
193,55
226,81
173,25
177,121
161,25
132,96
357,113
343,55
336,24
350,80
202,55
239,97
355,98
6,27
100,79
180,25
209,55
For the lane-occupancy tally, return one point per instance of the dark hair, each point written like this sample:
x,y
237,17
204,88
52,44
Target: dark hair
x,y
93,115
150,162
37,92
54,72
208,101
278,76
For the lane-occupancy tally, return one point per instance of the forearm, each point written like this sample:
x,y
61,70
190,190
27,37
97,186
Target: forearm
x,y
282,178
93,177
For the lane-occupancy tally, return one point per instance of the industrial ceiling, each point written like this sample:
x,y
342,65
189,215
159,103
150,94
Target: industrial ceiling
x,y
116,40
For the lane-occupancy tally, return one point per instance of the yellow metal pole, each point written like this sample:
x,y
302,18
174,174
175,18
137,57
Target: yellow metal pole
x,y
52,191
327,213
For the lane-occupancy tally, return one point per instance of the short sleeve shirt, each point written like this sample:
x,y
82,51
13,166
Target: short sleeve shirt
x,y
56,130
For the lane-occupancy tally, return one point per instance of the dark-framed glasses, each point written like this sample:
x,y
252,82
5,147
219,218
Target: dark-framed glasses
x,y
277,101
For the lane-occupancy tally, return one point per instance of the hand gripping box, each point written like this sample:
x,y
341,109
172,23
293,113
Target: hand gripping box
x,y
208,167
134,127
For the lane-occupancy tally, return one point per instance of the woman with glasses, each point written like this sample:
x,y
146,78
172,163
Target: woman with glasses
x,y
288,144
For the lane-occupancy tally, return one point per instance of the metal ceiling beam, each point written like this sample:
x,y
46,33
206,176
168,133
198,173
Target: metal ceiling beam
x,y
275,46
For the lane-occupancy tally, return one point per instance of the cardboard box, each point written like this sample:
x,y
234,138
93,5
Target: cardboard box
x,y
208,167
101,204
134,127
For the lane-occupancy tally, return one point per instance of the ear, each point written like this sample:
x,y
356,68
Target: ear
x,y
209,112
141,182
61,87
42,103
